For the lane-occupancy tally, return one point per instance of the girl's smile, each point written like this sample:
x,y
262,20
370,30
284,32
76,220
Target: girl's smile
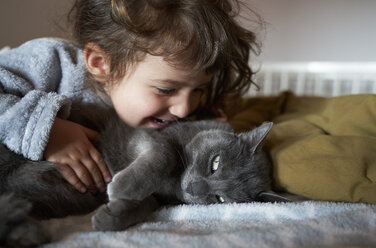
x,y
159,123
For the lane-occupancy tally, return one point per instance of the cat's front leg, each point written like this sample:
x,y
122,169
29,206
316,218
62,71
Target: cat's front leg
x,y
120,214
143,176
130,192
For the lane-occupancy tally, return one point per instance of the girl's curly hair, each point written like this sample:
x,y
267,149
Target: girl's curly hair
x,y
201,34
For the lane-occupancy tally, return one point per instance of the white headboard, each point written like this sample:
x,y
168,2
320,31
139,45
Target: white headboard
x,y
315,78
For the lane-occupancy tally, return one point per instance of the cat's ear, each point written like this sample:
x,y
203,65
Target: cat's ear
x,y
271,196
257,135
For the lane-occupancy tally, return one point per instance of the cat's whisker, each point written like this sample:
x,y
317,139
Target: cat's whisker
x,y
182,158
178,121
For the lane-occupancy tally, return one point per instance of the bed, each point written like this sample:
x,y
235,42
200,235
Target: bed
x,y
302,224
322,148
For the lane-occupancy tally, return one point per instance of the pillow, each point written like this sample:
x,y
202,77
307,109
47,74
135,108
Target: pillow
x,y
321,148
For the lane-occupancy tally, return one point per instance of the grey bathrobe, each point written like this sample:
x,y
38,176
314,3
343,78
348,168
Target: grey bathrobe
x,y
40,80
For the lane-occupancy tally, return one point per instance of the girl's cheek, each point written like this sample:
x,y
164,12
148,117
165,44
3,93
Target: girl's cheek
x,y
156,102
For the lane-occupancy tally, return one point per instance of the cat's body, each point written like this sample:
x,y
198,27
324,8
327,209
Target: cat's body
x,y
192,162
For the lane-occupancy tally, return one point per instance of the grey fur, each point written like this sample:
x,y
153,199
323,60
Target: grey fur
x,y
150,168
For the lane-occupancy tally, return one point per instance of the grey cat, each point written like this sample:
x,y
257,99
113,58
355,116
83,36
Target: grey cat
x,y
201,162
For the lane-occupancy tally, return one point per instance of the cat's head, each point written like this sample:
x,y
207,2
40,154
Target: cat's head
x,y
224,166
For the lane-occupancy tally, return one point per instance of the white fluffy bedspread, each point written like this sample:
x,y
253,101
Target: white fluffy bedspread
x,y
303,224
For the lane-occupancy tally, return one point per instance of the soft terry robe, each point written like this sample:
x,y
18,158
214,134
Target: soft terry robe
x,y
40,80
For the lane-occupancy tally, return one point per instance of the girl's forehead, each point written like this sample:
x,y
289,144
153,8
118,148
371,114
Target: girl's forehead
x,y
163,62
159,67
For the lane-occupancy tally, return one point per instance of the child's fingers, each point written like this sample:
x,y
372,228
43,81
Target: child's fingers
x,y
97,157
71,177
95,173
222,114
83,174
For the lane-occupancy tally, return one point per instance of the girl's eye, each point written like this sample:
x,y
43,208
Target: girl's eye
x,y
215,163
165,91
220,199
199,90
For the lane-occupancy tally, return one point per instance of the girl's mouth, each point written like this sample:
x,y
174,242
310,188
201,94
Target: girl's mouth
x,y
162,122
159,123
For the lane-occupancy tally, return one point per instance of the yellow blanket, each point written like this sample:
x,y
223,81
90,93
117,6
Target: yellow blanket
x,y
321,148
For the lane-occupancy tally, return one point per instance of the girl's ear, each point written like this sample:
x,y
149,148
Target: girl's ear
x,y
97,62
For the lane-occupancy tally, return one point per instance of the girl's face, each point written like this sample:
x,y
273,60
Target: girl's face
x,y
154,93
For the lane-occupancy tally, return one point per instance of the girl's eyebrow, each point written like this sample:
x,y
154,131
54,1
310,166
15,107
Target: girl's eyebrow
x,y
175,82
169,81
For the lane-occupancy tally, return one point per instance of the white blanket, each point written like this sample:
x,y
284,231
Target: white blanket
x,y
304,224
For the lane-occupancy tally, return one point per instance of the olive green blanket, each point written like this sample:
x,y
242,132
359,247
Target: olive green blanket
x,y
321,148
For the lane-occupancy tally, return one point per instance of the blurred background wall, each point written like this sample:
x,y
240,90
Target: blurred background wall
x,y
318,30
297,30
22,20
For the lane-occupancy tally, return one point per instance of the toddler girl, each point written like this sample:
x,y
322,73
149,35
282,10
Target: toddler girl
x,y
153,61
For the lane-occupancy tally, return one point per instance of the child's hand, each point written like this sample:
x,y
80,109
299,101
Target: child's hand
x,y
76,158
221,115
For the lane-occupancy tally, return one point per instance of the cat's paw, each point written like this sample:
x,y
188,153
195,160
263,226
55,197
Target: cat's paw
x,y
113,216
102,219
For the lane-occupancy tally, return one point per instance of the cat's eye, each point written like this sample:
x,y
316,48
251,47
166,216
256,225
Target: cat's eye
x,y
215,163
220,199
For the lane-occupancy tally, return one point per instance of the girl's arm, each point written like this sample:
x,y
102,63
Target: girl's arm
x,y
33,86
30,76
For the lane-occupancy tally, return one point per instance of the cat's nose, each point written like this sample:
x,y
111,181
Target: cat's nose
x,y
197,188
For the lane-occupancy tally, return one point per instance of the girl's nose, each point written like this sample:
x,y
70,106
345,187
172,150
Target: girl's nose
x,y
180,110
181,107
